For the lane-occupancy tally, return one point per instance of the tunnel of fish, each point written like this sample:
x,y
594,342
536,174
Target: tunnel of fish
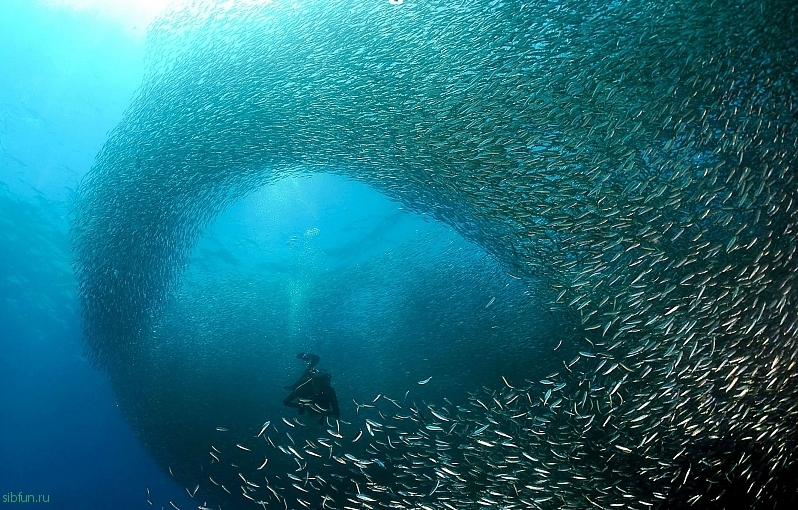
x,y
626,169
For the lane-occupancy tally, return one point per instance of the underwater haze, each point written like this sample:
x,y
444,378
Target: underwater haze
x,y
546,251
66,77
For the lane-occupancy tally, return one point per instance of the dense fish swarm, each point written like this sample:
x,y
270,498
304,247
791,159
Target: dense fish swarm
x,y
639,157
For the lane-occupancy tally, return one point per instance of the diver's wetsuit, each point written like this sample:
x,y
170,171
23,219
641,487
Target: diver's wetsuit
x,y
313,390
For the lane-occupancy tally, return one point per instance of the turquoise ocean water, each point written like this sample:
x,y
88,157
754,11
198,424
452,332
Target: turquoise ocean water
x,y
546,249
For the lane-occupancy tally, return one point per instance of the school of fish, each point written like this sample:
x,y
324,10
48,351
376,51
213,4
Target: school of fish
x,y
638,157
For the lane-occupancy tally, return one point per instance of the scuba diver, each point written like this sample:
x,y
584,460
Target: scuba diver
x,y
313,390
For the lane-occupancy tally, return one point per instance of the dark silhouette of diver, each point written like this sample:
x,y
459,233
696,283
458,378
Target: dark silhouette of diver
x,y
313,390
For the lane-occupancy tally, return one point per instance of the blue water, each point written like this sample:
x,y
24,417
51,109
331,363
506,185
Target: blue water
x,y
65,78
211,246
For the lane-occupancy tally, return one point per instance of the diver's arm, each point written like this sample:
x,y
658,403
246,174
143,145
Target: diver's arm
x,y
312,359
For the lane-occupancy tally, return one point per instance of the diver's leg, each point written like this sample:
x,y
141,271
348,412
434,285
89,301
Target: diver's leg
x,y
289,402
